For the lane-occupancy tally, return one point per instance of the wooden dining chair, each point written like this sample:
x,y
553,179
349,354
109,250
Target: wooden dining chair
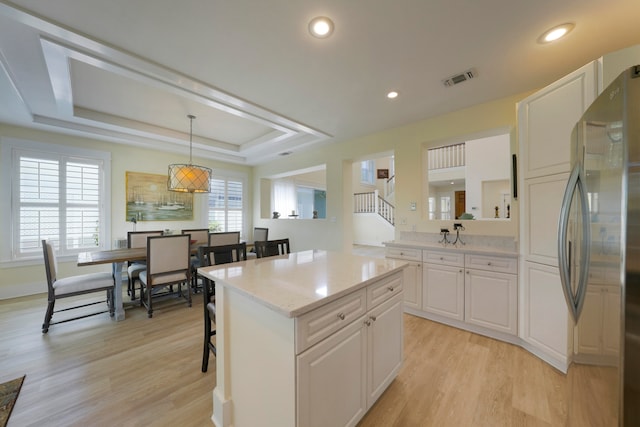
x,y
73,285
168,264
199,236
212,255
272,248
137,239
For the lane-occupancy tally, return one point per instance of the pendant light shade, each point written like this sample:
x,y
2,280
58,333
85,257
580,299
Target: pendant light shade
x,y
189,178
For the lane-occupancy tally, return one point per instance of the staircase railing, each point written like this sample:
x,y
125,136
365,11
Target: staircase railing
x,y
371,202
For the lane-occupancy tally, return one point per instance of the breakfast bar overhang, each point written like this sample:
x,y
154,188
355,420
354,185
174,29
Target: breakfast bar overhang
x,y
308,339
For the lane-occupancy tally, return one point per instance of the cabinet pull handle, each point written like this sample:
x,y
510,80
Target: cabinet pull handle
x,y
374,318
341,316
366,322
467,271
390,288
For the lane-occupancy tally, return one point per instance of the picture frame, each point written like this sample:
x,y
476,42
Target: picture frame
x,y
148,199
383,173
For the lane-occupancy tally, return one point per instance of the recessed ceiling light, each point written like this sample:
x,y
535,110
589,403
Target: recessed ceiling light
x,y
555,33
392,95
321,27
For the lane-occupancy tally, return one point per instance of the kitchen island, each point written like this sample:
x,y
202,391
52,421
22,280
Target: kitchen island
x,y
306,339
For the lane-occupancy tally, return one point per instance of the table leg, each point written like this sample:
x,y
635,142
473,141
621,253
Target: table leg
x,y
117,274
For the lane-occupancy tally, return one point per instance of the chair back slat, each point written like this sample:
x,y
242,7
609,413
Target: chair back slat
x,y
167,254
138,239
272,248
222,254
224,238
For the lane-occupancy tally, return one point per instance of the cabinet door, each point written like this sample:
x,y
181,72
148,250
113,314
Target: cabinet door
x,y
384,347
332,379
546,119
443,290
412,284
545,316
611,328
542,201
491,300
589,329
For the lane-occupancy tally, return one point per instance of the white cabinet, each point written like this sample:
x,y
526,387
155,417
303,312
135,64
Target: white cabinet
x,y
545,122
598,333
384,347
491,293
343,373
542,198
443,284
546,321
332,379
472,289
546,119
412,280
443,291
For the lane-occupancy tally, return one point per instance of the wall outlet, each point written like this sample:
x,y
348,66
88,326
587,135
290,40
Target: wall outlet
x,y
412,206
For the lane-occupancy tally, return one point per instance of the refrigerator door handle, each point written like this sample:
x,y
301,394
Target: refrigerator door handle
x,y
585,247
575,301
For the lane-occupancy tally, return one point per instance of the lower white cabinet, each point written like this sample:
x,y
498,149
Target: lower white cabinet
x,y
491,300
341,377
443,290
478,290
545,317
597,333
412,280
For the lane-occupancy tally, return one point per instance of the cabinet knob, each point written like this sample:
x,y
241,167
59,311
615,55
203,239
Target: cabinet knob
x,y
467,271
390,288
341,316
374,318
489,263
401,253
366,322
441,258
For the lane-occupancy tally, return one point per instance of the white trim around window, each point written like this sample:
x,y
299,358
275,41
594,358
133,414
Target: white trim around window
x,y
89,164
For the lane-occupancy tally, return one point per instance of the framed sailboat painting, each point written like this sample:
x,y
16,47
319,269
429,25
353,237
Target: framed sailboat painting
x,y
149,200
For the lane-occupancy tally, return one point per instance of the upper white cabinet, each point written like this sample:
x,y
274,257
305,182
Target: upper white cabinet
x,y
546,119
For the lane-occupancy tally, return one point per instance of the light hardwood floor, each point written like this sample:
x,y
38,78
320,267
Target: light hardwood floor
x,y
146,372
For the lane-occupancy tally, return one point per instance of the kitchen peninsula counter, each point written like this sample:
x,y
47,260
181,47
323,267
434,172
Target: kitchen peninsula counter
x,y
309,338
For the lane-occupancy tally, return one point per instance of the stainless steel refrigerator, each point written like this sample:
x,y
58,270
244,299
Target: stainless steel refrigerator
x,y
599,258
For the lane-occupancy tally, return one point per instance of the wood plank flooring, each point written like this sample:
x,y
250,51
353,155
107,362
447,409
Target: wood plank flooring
x,y
146,372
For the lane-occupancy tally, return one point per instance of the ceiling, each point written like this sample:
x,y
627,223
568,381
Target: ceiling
x,y
129,72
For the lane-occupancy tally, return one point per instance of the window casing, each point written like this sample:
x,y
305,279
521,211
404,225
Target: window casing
x,y
58,193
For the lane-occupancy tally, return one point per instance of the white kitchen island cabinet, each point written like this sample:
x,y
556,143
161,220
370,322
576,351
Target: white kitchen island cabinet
x,y
305,339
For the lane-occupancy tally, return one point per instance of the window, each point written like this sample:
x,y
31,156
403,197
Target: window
x,y
445,207
432,208
367,169
57,193
226,205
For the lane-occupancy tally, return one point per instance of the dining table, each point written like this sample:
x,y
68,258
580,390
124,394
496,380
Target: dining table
x,y
117,258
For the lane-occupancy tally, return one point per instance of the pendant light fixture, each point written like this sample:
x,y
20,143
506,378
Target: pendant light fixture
x,y
189,178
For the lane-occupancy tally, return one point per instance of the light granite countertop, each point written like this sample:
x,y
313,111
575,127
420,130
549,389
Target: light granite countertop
x,y
467,248
297,283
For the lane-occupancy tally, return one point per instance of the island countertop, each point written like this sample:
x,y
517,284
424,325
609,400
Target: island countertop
x,y
296,283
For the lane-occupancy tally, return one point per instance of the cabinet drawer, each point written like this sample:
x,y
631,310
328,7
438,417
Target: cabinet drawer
x,y
492,263
383,290
411,254
318,324
445,258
